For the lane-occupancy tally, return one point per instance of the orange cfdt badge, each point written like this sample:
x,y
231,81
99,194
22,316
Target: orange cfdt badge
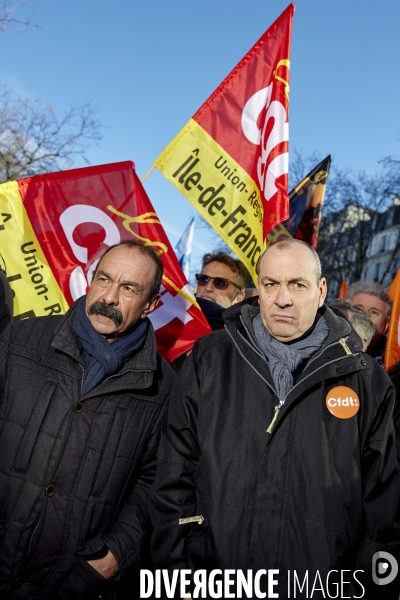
x,y
342,402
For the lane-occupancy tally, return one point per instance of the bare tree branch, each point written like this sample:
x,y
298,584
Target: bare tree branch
x,y
10,22
358,207
33,139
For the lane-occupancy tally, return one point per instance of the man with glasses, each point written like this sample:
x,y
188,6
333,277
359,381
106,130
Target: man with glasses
x,y
220,284
278,451
222,279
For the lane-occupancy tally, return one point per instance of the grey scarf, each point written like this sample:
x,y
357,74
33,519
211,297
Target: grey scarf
x,y
283,359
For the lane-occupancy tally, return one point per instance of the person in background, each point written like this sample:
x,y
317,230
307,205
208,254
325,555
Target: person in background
x,y
357,317
222,279
374,300
220,284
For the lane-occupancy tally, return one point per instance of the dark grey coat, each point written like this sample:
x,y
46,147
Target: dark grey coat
x,y
74,472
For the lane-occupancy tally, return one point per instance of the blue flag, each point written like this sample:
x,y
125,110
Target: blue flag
x,y
183,248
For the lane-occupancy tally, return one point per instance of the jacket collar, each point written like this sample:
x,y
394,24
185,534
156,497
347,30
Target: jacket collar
x,y
341,343
238,318
138,370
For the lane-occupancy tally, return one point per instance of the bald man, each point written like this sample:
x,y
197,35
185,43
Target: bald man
x,y
278,455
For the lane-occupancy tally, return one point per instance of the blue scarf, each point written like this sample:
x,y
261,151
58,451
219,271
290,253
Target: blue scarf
x,y
103,358
283,359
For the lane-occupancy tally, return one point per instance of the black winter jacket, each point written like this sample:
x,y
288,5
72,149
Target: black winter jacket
x,y
74,471
318,494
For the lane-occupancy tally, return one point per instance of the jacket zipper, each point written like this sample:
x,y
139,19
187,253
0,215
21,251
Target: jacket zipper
x,y
83,377
197,519
32,536
276,415
342,342
282,402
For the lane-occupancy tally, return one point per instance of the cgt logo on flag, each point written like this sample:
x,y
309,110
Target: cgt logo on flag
x,y
231,158
59,226
270,166
384,568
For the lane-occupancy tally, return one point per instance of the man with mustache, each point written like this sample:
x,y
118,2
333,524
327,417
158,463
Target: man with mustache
x,y
81,405
279,449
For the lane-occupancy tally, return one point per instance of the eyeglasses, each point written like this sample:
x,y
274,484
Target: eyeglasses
x,y
220,283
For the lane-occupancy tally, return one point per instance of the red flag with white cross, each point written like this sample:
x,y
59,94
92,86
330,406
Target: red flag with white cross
x,y
55,229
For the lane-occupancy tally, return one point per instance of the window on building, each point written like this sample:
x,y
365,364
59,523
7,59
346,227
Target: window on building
x,y
351,255
382,244
377,269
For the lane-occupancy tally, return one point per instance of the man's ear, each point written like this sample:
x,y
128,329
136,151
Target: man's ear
x,y
323,290
239,297
152,305
387,326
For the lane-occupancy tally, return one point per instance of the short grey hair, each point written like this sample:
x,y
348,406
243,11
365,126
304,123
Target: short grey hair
x,y
374,289
359,320
364,326
283,244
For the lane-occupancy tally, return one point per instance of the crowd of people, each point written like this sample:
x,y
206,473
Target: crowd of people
x,y
269,448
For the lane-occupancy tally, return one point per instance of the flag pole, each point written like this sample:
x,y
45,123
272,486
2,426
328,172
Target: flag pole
x,y
149,172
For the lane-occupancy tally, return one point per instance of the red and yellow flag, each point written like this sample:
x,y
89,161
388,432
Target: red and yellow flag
x,y
56,226
231,159
392,350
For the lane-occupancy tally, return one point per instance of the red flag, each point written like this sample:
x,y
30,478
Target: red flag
x,y
392,350
392,290
231,159
67,220
344,288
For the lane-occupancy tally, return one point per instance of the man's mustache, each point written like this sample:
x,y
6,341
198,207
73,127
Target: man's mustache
x,y
100,308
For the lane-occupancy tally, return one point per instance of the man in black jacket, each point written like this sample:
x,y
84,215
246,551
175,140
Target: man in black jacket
x,y
82,401
279,450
